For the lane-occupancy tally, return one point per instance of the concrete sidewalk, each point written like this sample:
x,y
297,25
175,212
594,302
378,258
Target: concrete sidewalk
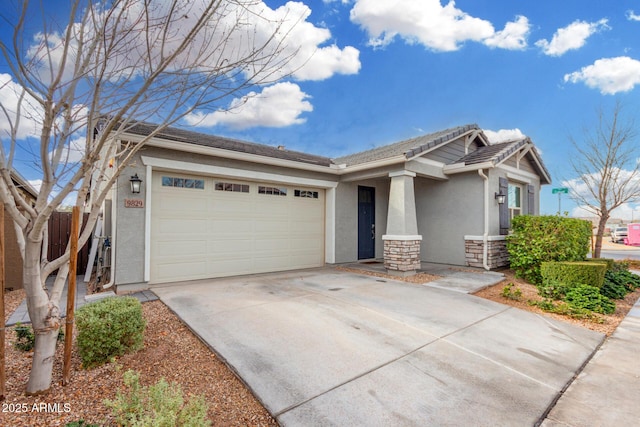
x,y
327,347
607,391
21,314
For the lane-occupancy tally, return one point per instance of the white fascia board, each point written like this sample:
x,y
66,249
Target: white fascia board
x,y
229,154
461,167
372,165
519,174
199,168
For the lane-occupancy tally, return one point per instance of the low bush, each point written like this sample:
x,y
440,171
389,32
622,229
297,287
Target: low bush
x,y
536,239
589,298
108,328
552,289
24,337
561,307
512,292
159,405
574,273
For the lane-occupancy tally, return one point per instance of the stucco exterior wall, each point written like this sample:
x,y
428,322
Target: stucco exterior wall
x,y
129,238
347,217
447,211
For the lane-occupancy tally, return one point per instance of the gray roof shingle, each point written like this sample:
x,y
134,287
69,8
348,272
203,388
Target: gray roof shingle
x,y
181,135
409,148
498,152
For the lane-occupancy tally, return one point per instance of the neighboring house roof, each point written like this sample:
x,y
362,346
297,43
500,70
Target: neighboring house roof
x,y
181,135
411,147
499,152
23,184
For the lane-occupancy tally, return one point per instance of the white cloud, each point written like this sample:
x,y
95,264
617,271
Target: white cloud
x,y
437,27
571,37
31,112
276,106
631,16
503,135
625,212
513,37
609,75
288,43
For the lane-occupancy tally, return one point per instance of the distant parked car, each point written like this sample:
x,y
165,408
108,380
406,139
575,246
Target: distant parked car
x,y
619,234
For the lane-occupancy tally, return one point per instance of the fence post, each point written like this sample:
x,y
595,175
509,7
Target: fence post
x,y
71,294
2,334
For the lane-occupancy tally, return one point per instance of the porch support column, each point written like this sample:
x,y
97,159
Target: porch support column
x,y
402,241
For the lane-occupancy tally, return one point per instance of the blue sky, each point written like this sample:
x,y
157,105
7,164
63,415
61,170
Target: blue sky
x,y
384,71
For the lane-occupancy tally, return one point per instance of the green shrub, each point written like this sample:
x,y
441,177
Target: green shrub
x,y
513,292
574,273
109,328
552,289
159,405
618,283
536,239
561,307
24,337
610,262
589,298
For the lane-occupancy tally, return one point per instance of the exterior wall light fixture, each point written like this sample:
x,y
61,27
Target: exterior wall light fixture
x,y
500,198
135,184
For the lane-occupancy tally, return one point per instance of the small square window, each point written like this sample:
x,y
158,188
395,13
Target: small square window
x,y
167,181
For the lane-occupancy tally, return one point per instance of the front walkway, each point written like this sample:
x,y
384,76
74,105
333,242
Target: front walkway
x,y
21,314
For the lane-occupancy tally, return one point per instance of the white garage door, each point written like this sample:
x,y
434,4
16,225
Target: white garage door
x,y
204,227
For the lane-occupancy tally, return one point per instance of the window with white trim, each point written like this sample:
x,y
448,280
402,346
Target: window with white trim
x,y
514,199
230,186
308,194
170,181
275,191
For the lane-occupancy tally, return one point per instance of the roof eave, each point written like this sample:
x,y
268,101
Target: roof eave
x,y
463,167
227,154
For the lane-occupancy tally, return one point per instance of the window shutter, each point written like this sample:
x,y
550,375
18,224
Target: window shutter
x,y
505,223
531,200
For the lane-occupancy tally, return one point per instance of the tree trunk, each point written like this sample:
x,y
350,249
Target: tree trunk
x,y
45,319
602,223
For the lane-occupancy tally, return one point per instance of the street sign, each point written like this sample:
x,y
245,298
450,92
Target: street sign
x,y
564,190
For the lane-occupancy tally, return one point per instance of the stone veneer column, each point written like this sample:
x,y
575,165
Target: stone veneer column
x,y
402,241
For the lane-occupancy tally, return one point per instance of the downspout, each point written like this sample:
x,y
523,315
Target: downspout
x,y
485,235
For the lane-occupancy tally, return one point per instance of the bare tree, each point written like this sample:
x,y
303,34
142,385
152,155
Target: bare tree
x,y
607,165
78,85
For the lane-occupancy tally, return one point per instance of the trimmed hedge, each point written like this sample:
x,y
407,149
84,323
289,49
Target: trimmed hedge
x,y
108,328
610,262
536,239
574,273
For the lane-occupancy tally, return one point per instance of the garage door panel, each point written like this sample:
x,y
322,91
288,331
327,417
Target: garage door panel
x,y
200,233
170,248
178,270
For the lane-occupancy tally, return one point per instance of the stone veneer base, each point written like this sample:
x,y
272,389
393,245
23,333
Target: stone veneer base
x,y
402,257
497,255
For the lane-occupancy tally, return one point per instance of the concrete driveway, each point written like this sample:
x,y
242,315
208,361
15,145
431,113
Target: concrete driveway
x,y
326,347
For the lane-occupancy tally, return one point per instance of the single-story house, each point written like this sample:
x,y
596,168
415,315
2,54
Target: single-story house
x,y
213,207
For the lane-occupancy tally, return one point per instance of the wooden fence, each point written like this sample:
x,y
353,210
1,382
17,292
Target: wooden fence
x,y
59,232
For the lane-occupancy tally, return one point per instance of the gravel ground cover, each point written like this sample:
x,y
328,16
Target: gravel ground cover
x,y
170,351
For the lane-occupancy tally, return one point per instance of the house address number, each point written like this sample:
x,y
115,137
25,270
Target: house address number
x,y
133,203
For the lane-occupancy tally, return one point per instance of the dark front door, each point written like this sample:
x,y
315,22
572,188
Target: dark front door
x,y
366,222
